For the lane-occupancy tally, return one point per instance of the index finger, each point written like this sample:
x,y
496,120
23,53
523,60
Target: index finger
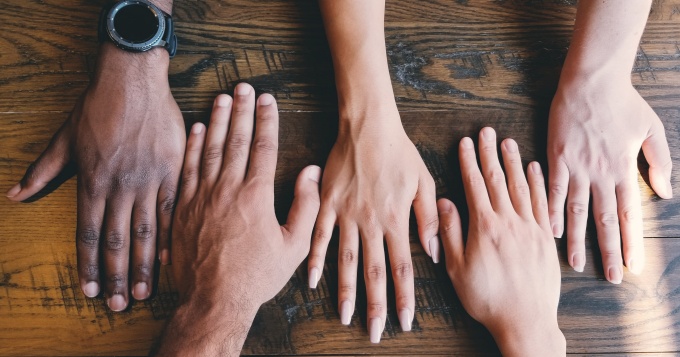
x,y
473,181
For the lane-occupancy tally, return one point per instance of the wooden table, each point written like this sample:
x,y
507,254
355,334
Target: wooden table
x,y
456,67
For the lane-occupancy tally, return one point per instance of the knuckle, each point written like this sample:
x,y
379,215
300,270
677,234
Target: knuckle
x,y
115,241
265,145
167,205
93,186
117,280
558,190
213,153
496,176
190,174
577,208
144,232
143,271
30,176
239,141
431,224
402,271
89,237
376,308
90,270
474,179
609,219
375,273
348,256
630,214
346,289
521,188
321,236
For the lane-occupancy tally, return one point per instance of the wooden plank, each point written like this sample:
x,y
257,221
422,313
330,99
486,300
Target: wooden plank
x,y
504,55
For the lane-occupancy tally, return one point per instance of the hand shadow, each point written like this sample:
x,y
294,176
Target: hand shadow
x,y
65,174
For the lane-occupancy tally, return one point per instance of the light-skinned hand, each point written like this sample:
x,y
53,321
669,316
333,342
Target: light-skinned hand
x,y
506,274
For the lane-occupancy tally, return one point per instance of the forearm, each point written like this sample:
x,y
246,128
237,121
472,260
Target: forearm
x,y
606,37
205,329
356,35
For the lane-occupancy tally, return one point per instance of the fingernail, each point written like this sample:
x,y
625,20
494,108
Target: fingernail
x,y
466,143
91,289
116,302
242,89
165,257
669,190
197,128
434,249
536,167
557,230
14,191
314,174
266,99
223,101
511,145
488,134
140,291
615,275
346,312
578,261
633,267
375,329
405,319
313,277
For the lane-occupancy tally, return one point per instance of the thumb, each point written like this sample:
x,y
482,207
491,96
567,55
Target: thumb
x,y
451,233
44,169
656,151
304,209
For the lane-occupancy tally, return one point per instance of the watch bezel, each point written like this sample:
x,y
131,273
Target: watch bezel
x,y
154,41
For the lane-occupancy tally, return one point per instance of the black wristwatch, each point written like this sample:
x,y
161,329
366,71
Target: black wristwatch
x,y
137,26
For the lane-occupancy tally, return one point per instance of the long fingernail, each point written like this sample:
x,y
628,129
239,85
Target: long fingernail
x,y
615,275
141,291
557,230
314,174
578,261
511,146
165,257
91,289
375,329
405,319
669,190
14,191
434,249
313,277
116,302
633,267
346,312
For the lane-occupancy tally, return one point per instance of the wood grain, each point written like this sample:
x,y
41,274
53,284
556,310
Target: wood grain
x,y
456,66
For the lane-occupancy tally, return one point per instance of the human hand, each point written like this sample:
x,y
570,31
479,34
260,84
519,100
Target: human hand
x,y
595,133
126,136
229,253
372,176
507,275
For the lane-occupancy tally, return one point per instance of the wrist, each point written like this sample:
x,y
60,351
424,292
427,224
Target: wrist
x,y
533,339
579,73
154,62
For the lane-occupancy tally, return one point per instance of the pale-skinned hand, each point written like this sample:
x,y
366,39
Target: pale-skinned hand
x,y
507,274
126,136
372,178
595,133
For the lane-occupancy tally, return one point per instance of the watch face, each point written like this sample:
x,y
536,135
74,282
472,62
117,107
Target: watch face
x,y
136,23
